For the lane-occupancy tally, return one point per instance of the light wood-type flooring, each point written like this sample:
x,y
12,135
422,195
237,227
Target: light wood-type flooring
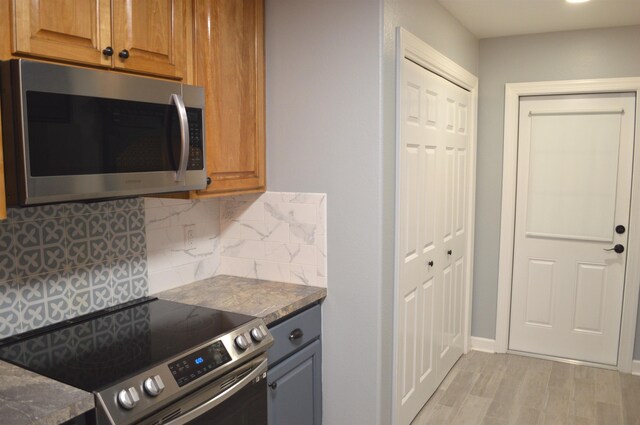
x,y
505,389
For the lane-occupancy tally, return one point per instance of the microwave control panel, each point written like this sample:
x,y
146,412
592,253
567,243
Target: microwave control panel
x,y
196,152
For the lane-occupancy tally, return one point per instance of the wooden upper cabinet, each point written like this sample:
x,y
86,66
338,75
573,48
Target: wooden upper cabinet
x,y
73,30
3,198
229,63
152,32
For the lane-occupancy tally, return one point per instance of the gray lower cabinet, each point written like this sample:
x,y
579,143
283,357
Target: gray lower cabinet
x,y
295,371
295,389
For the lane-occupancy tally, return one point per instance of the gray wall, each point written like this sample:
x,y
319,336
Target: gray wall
x,y
323,135
602,53
325,118
432,23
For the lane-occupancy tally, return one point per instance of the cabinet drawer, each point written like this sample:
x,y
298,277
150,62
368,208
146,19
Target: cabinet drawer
x,y
294,333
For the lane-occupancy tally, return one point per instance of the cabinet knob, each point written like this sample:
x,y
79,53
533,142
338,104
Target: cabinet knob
x,y
273,385
295,334
108,51
449,252
124,54
430,263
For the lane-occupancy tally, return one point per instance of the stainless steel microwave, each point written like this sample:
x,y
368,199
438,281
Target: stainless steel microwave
x,y
77,134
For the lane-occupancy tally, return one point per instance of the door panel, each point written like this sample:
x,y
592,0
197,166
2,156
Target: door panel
x,y
590,296
430,184
540,292
449,187
432,211
447,313
461,211
562,185
574,180
460,278
73,30
409,327
427,360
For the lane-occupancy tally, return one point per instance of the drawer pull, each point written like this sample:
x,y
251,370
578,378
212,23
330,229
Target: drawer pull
x,y
295,334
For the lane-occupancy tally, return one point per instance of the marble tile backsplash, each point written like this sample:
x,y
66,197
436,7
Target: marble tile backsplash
x,y
64,260
275,236
172,262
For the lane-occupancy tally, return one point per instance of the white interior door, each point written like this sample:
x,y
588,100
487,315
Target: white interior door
x,y
575,157
432,214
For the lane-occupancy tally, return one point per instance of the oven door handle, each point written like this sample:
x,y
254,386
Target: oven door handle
x,y
184,136
220,398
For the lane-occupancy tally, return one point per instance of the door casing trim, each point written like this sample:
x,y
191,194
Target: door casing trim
x,y
513,92
409,46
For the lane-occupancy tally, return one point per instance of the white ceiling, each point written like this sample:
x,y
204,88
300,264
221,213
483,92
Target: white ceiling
x,y
497,18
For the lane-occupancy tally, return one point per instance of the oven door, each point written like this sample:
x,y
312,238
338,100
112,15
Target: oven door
x,y
238,398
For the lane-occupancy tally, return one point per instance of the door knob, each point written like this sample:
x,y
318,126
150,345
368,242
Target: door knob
x,y
620,229
619,248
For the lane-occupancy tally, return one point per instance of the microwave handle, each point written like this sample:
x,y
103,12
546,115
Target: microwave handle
x,y
184,136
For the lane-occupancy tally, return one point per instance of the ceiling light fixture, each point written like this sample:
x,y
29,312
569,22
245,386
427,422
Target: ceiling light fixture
x,y
576,1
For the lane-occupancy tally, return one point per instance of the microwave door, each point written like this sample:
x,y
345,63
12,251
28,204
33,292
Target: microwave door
x,y
106,146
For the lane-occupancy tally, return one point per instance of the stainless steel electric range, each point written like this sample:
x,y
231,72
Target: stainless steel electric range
x,y
153,362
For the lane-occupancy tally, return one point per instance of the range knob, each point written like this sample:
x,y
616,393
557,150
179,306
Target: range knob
x,y
128,398
241,342
257,334
153,385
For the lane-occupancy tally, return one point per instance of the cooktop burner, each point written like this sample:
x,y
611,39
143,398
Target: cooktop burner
x,y
94,353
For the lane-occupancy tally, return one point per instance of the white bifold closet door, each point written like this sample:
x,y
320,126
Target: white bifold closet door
x,y
575,156
432,218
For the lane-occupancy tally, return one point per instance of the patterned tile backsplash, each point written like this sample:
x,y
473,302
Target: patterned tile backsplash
x,y
64,260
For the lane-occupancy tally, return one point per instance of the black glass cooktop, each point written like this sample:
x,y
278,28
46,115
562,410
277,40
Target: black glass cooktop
x,y
95,353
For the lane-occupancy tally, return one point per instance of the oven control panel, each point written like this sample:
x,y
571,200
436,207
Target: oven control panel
x,y
199,363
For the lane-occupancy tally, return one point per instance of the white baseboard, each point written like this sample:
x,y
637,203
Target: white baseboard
x,y
483,344
635,368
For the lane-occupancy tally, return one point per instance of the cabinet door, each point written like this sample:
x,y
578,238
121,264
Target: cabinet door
x,y
297,396
229,52
153,33
72,30
3,198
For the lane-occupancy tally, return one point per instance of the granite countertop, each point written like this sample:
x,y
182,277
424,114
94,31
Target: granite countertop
x,y
31,399
261,298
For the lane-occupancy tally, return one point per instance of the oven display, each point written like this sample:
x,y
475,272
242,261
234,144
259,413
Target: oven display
x,y
200,363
